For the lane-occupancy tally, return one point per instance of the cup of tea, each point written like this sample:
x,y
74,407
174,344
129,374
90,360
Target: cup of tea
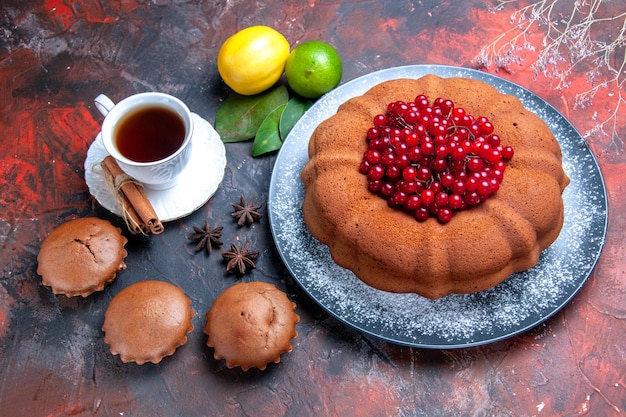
x,y
149,135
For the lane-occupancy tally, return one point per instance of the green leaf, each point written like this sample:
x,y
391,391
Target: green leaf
x,y
267,138
238,117
296,107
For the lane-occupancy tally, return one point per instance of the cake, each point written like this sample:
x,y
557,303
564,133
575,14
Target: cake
x,y
147,321
250,325
476,248
81,256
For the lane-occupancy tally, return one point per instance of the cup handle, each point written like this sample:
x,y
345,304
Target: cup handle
x,y
104,104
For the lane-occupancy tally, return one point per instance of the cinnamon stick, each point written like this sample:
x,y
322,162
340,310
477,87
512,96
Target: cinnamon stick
x,y
136,203
129,214
134,222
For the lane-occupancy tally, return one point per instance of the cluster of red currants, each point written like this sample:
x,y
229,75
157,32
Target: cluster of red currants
x,y
433,160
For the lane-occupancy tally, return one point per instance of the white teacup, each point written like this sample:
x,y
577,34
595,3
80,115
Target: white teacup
x,y
149,135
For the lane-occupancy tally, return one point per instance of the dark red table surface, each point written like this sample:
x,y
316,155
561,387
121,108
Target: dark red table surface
x,y
57,55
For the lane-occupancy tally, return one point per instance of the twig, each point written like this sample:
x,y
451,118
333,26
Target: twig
x,y
574,36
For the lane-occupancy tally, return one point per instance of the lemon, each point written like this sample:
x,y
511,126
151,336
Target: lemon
x,y
253,59
313,69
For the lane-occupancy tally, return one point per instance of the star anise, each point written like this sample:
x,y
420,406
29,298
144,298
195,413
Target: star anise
x,y
246,213
240,259
206,238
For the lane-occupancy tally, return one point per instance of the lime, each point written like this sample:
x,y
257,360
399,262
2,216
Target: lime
x,y
253,59
313,69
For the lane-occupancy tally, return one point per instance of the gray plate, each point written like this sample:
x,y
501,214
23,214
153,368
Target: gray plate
x,y
521,302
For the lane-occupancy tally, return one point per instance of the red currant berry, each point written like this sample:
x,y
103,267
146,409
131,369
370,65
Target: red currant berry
x,y
435,187
483,148
440,140
461,176
475,164
458,153
374,186
507,152
446,106
411,140
474,129
377,144
364,167
444,215
398,198
497,174
402,161
423,173
458,112
413,202
473,198
414,154
373,133
439,165
495,140
421,214
376,172
407,187
419,130
484,187
437,129
421,101
441,151
493,156
441,199
392,172
427,148
486,128
447,180
380,120
388,159
372,156
409,173
411,117
456,202
428,197
495,185
458,187
471,184
387,189
462,133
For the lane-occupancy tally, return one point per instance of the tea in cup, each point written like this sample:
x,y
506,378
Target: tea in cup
x,y
149,135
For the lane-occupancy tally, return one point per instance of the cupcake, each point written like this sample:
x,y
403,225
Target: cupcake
x,y
250,325
147,321
81,256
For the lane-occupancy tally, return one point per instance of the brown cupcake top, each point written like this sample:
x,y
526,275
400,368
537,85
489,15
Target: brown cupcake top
x,y
81,256
147,321
250,325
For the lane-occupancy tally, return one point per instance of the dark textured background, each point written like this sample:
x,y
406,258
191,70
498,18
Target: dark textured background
x,y
57,55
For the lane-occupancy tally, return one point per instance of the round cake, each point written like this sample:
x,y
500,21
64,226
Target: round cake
x,y
81,256
147,321
475,249
250,325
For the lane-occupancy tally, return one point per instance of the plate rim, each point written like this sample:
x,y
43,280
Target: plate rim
x,y
444,71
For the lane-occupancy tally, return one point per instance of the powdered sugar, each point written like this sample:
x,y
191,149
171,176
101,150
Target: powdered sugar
x,y
519,303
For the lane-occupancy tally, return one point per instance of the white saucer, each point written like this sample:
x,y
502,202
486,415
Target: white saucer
x,y
197,183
